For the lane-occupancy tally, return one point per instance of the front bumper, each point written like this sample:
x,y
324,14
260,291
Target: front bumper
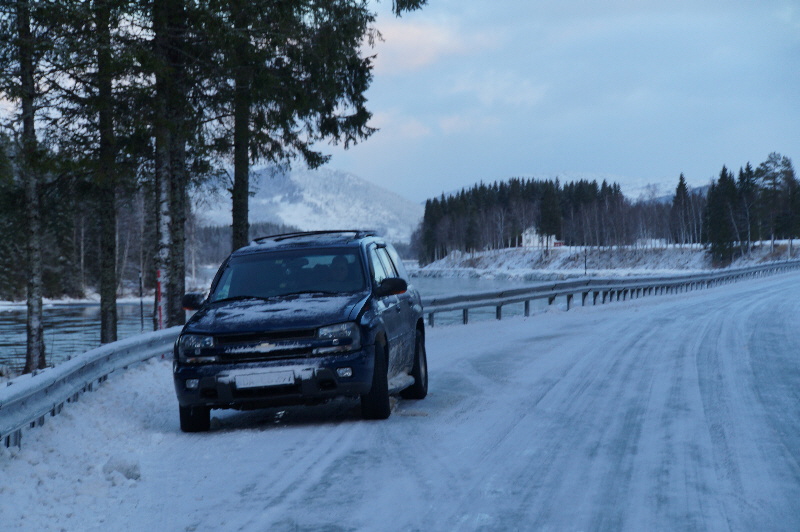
x,y
248,385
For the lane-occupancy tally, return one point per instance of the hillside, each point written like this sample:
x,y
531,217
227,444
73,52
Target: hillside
x,y
322,199
565,262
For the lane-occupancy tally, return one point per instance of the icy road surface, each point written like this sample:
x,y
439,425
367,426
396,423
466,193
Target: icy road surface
x,y
666,413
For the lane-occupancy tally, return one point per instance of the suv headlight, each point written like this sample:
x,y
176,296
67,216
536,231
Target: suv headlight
x,y
191,346
339,338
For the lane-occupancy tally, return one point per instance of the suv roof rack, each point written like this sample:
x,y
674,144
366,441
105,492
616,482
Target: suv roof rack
x,y
357,233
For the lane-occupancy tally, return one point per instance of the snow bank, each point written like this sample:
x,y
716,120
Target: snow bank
x,y
534,264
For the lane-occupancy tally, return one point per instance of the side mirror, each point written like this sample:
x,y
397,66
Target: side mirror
x,y
193,300
391,286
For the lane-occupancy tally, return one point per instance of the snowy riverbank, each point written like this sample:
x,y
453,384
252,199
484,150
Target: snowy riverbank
x,y
532,264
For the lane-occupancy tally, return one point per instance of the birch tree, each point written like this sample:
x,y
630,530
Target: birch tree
x,y
21,45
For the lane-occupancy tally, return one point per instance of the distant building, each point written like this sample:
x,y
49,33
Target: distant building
x,y
532,239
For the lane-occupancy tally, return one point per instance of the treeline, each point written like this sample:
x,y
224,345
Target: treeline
x,y
761,204
70,238
727,216
211,244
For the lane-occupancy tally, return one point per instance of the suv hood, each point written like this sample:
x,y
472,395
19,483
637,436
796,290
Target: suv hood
x,y
305,311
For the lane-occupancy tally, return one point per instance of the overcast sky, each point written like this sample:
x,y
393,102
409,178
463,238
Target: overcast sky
x,y
474,90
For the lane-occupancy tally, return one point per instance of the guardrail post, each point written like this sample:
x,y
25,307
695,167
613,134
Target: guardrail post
x,y
14,439
465,316
498,312
430,319
551,300
527,308
569,301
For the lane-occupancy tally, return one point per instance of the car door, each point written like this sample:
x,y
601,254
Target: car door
x,y
407,306
389,309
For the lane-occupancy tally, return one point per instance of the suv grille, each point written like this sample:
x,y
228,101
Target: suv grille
x,y
265,346
231,339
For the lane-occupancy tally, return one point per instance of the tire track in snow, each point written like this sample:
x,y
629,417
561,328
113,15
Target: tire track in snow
x,y
738,420
564,406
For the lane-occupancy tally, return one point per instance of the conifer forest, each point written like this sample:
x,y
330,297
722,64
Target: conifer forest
x,y
728,216
113,110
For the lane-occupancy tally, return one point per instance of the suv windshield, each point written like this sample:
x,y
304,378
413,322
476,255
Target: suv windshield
x,y
280,273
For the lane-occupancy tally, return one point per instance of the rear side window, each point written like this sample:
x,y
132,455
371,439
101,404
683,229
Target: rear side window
x,y
379,272
387,262
398,262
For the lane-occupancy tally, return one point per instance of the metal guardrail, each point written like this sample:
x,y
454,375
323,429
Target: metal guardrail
x,y
26,401
595,289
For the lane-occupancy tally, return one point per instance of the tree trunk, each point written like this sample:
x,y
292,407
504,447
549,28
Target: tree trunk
x,y
178,202
162,136
171,139
107,180
35,354
241,135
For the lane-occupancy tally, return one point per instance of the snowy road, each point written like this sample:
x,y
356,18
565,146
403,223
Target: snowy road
x,y
665,413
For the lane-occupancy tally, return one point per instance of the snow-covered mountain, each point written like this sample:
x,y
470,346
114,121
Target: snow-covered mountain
x,y
321,199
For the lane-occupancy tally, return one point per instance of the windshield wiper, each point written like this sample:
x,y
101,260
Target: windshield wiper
x,y
301,292
237,298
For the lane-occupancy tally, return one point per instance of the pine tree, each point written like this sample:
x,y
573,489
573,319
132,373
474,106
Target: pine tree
x,y
679,214
748,196
550,222
720,217
290,73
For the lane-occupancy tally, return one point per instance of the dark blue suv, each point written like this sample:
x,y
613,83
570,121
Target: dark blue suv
x,y
301,318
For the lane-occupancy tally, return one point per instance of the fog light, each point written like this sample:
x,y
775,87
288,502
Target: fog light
x,y
345,372
192,384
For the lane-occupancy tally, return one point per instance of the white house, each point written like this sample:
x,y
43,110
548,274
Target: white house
x,y
532,239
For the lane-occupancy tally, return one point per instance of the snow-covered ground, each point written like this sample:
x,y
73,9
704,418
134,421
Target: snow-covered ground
x,y
564,262
664,413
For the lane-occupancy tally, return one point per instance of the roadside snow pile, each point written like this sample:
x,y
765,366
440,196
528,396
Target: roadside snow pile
x,y
566,262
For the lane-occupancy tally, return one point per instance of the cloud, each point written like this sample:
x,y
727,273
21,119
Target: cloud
x,y
413,46
394,125
500,88
461,123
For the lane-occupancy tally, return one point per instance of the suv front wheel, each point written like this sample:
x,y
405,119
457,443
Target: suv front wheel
x,y
419,389
195,418
375,404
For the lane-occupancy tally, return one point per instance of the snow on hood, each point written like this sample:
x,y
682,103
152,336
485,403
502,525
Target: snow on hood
x,y
290,312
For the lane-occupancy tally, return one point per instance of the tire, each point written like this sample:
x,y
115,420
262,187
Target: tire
x,y
375,404
195,418
419,371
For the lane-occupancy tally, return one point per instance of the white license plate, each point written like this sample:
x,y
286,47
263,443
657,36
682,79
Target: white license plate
x,y
261,380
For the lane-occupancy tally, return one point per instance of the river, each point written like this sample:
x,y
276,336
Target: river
x,y
73,328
